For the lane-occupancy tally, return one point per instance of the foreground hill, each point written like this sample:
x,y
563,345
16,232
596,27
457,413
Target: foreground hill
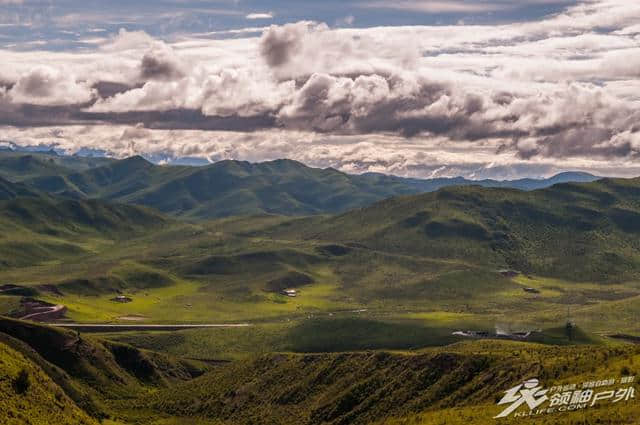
x,y
38,400
227,188
73,379
376,387
83,379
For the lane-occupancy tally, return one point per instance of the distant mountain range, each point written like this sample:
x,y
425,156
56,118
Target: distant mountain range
x,y
225,188
431,185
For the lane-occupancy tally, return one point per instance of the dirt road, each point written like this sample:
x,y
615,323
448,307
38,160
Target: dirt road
x,y
107,327
41,313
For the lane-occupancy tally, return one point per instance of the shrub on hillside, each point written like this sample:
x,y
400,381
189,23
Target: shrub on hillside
x,y
22,383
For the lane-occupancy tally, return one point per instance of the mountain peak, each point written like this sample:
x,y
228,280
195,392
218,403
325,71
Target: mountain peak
x,y
575,174
136,160
284,163
573,177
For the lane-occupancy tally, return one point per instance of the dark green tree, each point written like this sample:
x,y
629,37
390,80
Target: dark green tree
x,y
22,382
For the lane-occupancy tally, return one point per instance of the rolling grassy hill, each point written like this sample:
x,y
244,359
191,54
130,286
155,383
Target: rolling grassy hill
x,y
9,190
35,229
55,217
583,232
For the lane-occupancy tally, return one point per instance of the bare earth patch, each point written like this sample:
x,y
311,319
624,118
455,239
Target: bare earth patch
x,y
133,318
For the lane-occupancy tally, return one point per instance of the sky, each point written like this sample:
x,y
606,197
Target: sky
x,y
474,88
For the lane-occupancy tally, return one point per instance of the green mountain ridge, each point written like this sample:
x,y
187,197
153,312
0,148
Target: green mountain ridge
x,y
19,166
228,188
222,189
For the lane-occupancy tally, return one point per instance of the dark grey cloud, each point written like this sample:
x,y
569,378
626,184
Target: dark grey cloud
x,y
25,115
181,119
597,126
160,64
106,89
37,84
6,85
45,85
579,142
581,121
375,103
279,43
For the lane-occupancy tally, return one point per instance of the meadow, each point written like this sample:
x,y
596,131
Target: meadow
x,y
379,292
224,271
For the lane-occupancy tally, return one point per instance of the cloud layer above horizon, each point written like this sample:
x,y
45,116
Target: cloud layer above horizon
x,y
502,100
